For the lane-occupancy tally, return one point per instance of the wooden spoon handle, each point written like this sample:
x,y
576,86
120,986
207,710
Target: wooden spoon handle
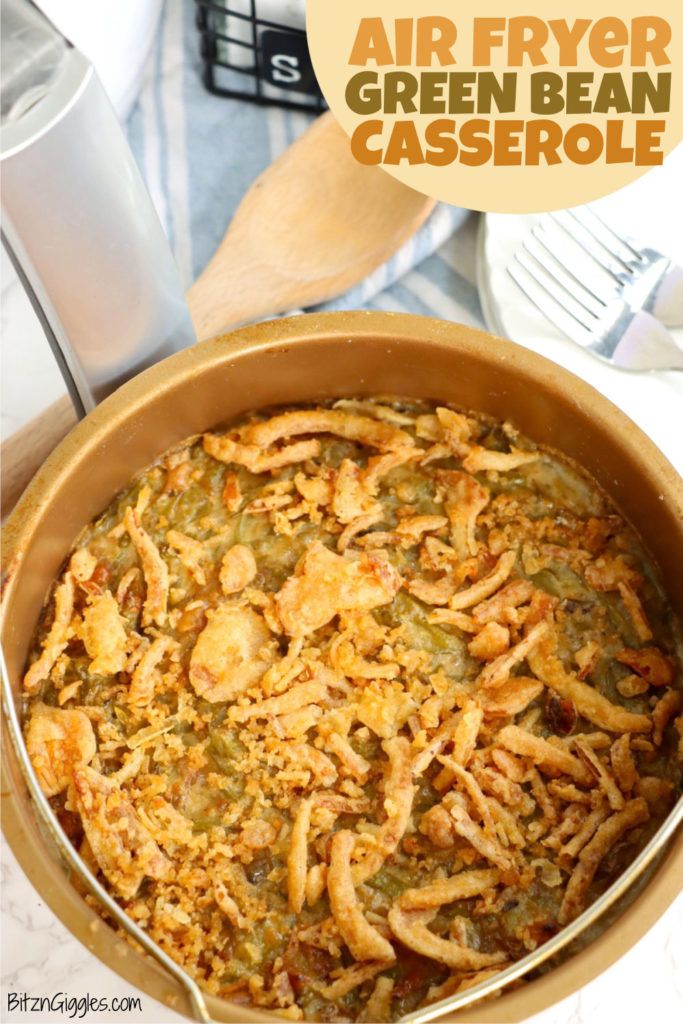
x,y
312,225
24,452
225,297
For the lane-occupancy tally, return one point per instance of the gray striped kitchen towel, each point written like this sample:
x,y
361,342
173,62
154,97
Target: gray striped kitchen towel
x,y
199,153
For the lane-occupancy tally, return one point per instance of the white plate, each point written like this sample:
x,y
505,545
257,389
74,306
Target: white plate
x,y
651,210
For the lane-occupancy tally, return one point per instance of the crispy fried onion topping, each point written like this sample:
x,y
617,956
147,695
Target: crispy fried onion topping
x,y
462,886
465,498
154,569
122,846
297,858
58,637
341,745
231,654
350,498
483,459
398,803
298,696
512,697
326,583
191,554
238,569
488,846
348,978
486,586
104,635
146,678
363,429
378,1006
587,701
410,927
58,742
650,664
464,740
551,759
253,458
635,812
363,940
497,672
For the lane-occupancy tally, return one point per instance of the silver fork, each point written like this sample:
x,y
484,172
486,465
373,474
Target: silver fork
x,y
646,278
609,327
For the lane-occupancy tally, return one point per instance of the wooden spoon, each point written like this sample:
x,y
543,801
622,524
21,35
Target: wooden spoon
x,y
312,225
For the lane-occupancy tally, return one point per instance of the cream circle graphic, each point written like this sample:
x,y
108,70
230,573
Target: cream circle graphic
x,y
501,109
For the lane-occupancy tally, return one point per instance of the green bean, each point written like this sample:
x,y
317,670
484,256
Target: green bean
x,y
389,883
562,582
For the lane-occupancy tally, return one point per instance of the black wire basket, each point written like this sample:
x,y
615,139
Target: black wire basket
x,y
251,57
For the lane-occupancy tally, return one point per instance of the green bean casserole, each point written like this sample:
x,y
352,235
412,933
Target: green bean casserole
x,y
352,706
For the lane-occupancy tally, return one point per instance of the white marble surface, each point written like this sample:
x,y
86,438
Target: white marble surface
x,y
41,958
30,380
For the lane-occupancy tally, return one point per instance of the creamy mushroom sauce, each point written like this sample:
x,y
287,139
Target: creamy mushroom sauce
x,y
351,707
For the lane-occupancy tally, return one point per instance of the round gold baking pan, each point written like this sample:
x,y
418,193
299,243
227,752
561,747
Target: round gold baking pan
x,y
297,359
